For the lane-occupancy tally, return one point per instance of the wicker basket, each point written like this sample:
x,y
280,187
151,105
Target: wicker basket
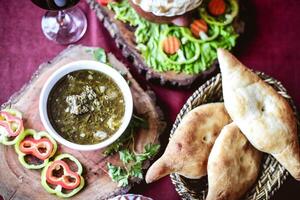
x,y
272,174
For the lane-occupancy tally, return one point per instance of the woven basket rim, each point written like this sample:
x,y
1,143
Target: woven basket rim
x,y
258,191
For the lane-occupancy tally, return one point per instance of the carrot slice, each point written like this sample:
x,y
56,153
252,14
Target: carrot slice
x,y
217,7
198,26
171,45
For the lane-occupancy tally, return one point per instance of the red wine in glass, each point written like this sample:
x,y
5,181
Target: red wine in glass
x,y
63,22
55,4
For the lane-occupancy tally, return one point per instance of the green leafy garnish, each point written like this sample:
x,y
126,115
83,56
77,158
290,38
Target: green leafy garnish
x,y
100,55
133,164
135,123
195,55
126,156
118,174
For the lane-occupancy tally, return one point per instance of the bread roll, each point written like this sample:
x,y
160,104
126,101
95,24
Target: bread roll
x,y
233,165
189,147
263,115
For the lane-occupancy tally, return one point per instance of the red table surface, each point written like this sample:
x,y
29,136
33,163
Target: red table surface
x,y
270,44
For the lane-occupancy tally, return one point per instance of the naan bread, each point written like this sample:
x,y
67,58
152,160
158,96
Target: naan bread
x,y
264,116
233,165
189,147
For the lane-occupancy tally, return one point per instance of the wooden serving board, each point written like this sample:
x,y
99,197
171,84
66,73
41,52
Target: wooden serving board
x,y
124,37
16,182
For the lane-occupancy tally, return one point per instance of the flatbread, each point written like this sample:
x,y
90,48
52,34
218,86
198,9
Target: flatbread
x,y
188,149
233,165
264,116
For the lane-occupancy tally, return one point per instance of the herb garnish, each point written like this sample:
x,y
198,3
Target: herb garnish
x,y
135,123
100,55
132,161
133,164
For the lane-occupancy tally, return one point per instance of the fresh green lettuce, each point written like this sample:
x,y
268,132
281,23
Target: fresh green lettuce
x,y
194,56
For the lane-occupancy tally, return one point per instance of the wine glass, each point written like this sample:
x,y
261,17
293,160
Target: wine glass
x,y
63,23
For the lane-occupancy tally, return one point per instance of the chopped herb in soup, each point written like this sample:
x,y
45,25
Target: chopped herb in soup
x,y
86,107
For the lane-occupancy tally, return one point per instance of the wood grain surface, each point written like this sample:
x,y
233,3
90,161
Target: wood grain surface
x,y
16,182
124,37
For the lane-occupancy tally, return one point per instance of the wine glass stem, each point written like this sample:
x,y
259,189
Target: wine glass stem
x,y
61,18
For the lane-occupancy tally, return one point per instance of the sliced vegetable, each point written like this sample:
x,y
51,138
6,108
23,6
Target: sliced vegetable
x,y
40,145
57,177
11,125
183,55
217,7
69,180
180,57
199,26
223,20
41,148
212,34
103,2
171,44
195,55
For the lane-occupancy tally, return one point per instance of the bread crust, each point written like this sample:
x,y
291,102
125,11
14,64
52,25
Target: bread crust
x,y
263,115
188,150
233,165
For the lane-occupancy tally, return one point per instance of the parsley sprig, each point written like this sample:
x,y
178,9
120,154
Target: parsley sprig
x,y
132,161
135,123
133,164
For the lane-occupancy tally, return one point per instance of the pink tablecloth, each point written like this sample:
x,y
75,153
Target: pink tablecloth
x,y
271,44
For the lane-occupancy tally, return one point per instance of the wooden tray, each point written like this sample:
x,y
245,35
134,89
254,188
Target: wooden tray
x,y
272,174
124,37
16,182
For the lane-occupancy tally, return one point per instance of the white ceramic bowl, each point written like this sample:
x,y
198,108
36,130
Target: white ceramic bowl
x,y
85,65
